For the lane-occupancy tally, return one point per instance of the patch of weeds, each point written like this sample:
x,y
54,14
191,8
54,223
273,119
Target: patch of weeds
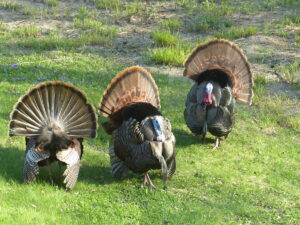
x,y
260,82
97,39
206,21
68,12
94,32
289,3
187,3
291,20
121,9
88,24
282,33
25,32
268,4
296,85
33,11
113,5
3,27
236,32
82,13
52,3
297,38
172,55
261,50
264,58
50,43
247,7
135,8
164,38
171,24
10,6
212,16
290,73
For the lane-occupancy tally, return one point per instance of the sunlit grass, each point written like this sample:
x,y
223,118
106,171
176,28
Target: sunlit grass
x,y
236,32
164,38
253,178
173,55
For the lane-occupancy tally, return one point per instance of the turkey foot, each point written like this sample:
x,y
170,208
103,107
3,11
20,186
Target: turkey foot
x,y
147,181
217,143
49,171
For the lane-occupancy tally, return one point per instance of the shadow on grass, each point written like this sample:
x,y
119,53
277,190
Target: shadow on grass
x,y
11,164
11,170
185,138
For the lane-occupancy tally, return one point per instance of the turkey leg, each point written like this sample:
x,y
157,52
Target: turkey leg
x,y
147,181
217,143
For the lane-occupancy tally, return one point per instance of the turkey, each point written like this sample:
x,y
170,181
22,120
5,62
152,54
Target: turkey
x,y
54,118
141,137
222,74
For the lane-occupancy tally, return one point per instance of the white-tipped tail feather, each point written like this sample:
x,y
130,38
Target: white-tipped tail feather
x,y
53,103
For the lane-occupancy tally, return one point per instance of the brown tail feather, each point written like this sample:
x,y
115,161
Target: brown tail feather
x,y
222,55
53,103
132,85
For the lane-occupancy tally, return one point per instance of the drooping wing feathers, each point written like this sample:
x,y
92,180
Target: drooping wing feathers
x,y
71,175
139,151
71,157
222,55
53,102
132,85
221,123
118,167
32,157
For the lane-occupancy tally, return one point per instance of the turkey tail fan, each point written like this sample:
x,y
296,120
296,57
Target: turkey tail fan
x,y
224,56
53,104
132,85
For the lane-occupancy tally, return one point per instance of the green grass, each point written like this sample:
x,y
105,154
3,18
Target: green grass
x,y
114,5
122,9
246,181
297,38
253,178
172,55
171,24
30,31
94,32
236,32
211,16
290,72
52,3
164,38
10,5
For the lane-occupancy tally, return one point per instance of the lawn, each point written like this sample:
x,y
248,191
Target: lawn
x,y
253,178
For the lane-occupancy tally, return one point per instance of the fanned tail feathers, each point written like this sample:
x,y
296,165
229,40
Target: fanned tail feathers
x,y
132,85
53,104
225,56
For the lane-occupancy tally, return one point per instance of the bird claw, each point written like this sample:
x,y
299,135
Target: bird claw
x,y
148,182
217,143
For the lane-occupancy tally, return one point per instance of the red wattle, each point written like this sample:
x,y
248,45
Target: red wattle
x,y
207,99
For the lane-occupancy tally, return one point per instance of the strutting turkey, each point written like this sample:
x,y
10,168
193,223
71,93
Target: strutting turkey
x,y
141,137
222,74
54,118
